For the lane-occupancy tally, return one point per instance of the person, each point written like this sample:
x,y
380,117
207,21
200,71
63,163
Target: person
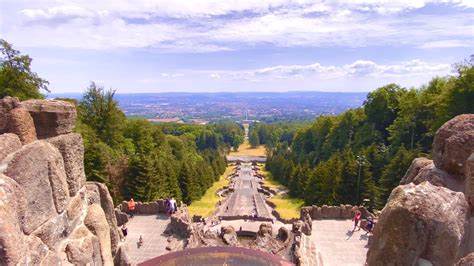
x,y
370,225
356,220
124,231
131,207
172,205
253,216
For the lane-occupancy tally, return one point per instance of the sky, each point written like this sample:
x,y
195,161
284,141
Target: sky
x,y
239,45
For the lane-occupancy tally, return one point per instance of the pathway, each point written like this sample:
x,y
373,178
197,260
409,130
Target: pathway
x,y
245,199
337,244
151,228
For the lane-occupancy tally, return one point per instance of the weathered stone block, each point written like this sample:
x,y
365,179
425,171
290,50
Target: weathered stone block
x,y
99,193
9,143
122,258
21,124
324,211
55,230
80,253
36,252
51,117
96,222
12,211
39,169
147,208
72,150
334,212
6,105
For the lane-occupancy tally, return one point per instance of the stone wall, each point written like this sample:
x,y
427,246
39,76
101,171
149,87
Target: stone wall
x,y
49,214
334,212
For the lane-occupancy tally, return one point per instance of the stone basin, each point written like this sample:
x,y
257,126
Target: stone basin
x,y
213,256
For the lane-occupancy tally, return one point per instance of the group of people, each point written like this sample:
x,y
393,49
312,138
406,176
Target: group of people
x,y
171,206
369,226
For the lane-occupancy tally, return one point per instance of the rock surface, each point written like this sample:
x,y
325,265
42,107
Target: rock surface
x,y
9,143
12,239
51,117
95,221
45,205
454,143
21,124
43,181
6,105
420,222
229,235
72,150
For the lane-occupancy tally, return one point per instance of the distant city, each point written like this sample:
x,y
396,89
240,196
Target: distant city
x,y
202,108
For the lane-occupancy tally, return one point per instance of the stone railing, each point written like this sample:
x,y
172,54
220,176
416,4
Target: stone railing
x,y
335,212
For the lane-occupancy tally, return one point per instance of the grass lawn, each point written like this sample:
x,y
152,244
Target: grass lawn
x,y
268,181
246,149
288,207
206,205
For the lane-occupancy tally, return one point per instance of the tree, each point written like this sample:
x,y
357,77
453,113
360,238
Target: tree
x,y
100,111
16,77
253,139
382,105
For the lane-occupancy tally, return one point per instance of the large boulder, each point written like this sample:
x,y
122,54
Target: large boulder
x,y
38,168
9,143
6,105
72,150
51,117
453,144
21,123
96,222
420,222
12,211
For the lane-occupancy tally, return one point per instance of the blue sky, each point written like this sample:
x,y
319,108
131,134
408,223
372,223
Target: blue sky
x,y
245,45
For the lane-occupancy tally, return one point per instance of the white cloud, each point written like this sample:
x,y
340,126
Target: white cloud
x,y
359,68
215,25
448,44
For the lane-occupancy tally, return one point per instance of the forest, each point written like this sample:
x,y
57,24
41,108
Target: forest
x,y
360,155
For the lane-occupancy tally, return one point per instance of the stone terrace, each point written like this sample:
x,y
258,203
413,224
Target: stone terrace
x,y
151,227
337,244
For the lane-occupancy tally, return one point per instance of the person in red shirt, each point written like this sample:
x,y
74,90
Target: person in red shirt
x,y
356,220
131,207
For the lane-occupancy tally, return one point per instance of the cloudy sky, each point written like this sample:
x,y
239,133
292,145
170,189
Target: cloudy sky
x,y
239,45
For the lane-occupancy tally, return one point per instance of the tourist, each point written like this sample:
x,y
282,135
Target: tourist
x,y
356,220
131,207
124,231
172,205
370,225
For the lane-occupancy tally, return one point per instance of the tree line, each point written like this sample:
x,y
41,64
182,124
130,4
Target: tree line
x,y
319,162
